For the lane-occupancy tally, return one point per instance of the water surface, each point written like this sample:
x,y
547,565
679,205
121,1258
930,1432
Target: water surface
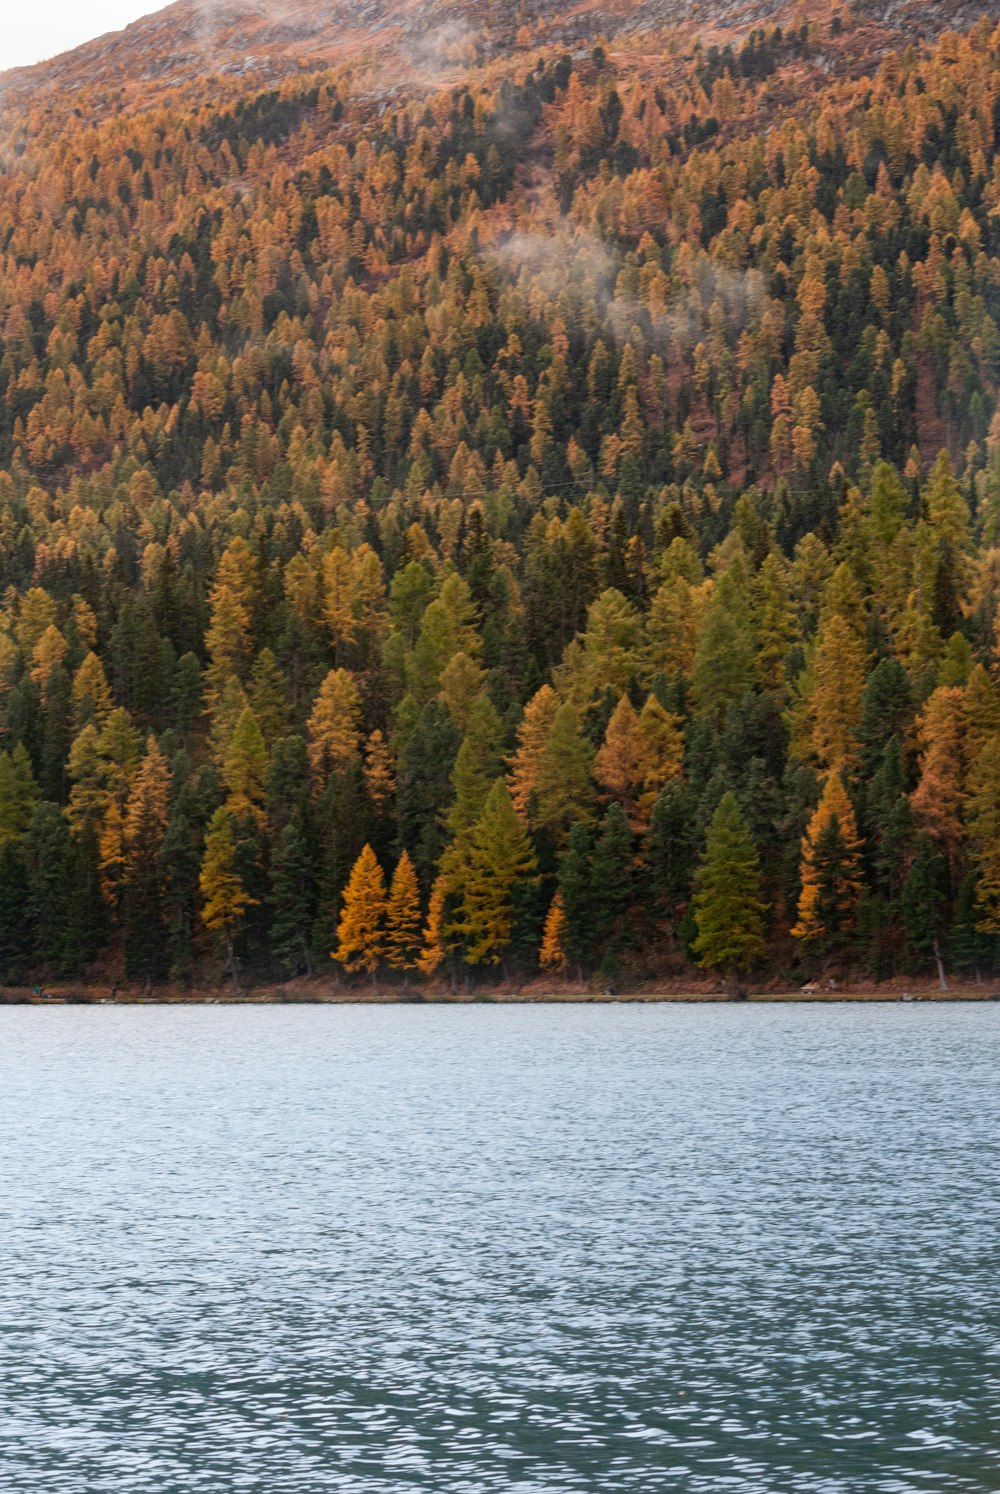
x,y
714,1250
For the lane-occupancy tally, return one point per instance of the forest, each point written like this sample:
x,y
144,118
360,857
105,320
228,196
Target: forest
x,y
542,527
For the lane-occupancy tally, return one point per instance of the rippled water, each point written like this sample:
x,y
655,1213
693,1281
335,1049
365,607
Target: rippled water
x,y
490,1248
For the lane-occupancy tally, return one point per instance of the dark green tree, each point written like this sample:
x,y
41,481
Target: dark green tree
x,y
729,910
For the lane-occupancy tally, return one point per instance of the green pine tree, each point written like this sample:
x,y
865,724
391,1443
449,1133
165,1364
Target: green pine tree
x,y
729,910
925,905
291,900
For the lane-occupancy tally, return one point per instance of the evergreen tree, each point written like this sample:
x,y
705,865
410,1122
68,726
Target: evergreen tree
x,y
925,905
47,856
291,899
244,770
226,900
729,910
86,911
613,877
500,857
16,948
576,889
146,826
972,950
984,832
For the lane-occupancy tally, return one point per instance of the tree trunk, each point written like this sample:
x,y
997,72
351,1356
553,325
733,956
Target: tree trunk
x,y
942,978
233,969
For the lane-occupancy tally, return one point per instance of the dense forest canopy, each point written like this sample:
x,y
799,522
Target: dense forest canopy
x,y
549,520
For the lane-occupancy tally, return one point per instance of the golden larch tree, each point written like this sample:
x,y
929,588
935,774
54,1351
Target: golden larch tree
x,y
402,917
361,930
831,871
552,955
334,727
939,797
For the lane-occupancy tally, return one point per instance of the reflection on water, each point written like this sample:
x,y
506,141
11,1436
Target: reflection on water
x,y
722,1250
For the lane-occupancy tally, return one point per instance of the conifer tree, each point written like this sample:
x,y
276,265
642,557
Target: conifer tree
x,y
563,792
641,752
225,900
244,770
48,858
728,907
613,876
18,794
145,835
984,832
724,662
291,899
500,857
435,947
939,797
972,949
532,735
16,950
772,624
831,872
333,727
402,919
361,931
380,779
925,904
836,704
670,849
86,911
577,890
552,955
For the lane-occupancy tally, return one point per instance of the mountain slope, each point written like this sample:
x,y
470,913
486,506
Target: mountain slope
x,y
270,39
525,461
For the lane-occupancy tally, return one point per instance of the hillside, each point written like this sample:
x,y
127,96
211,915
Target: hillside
x,y
267,41
552,468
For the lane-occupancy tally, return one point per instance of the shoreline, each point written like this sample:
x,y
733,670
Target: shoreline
x,y
324,993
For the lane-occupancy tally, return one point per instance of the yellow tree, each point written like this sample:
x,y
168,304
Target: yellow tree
x,y
552,955
225,900
360,932
145,835
334,727
939,797
435,946
839,680
532,736
92,704
984,833
616,766
831,871
228,639
500,856
641,752
402,917
380,780
982,712
340,600
660,742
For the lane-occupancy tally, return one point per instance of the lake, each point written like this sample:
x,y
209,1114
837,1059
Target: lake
x,y
717,1249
